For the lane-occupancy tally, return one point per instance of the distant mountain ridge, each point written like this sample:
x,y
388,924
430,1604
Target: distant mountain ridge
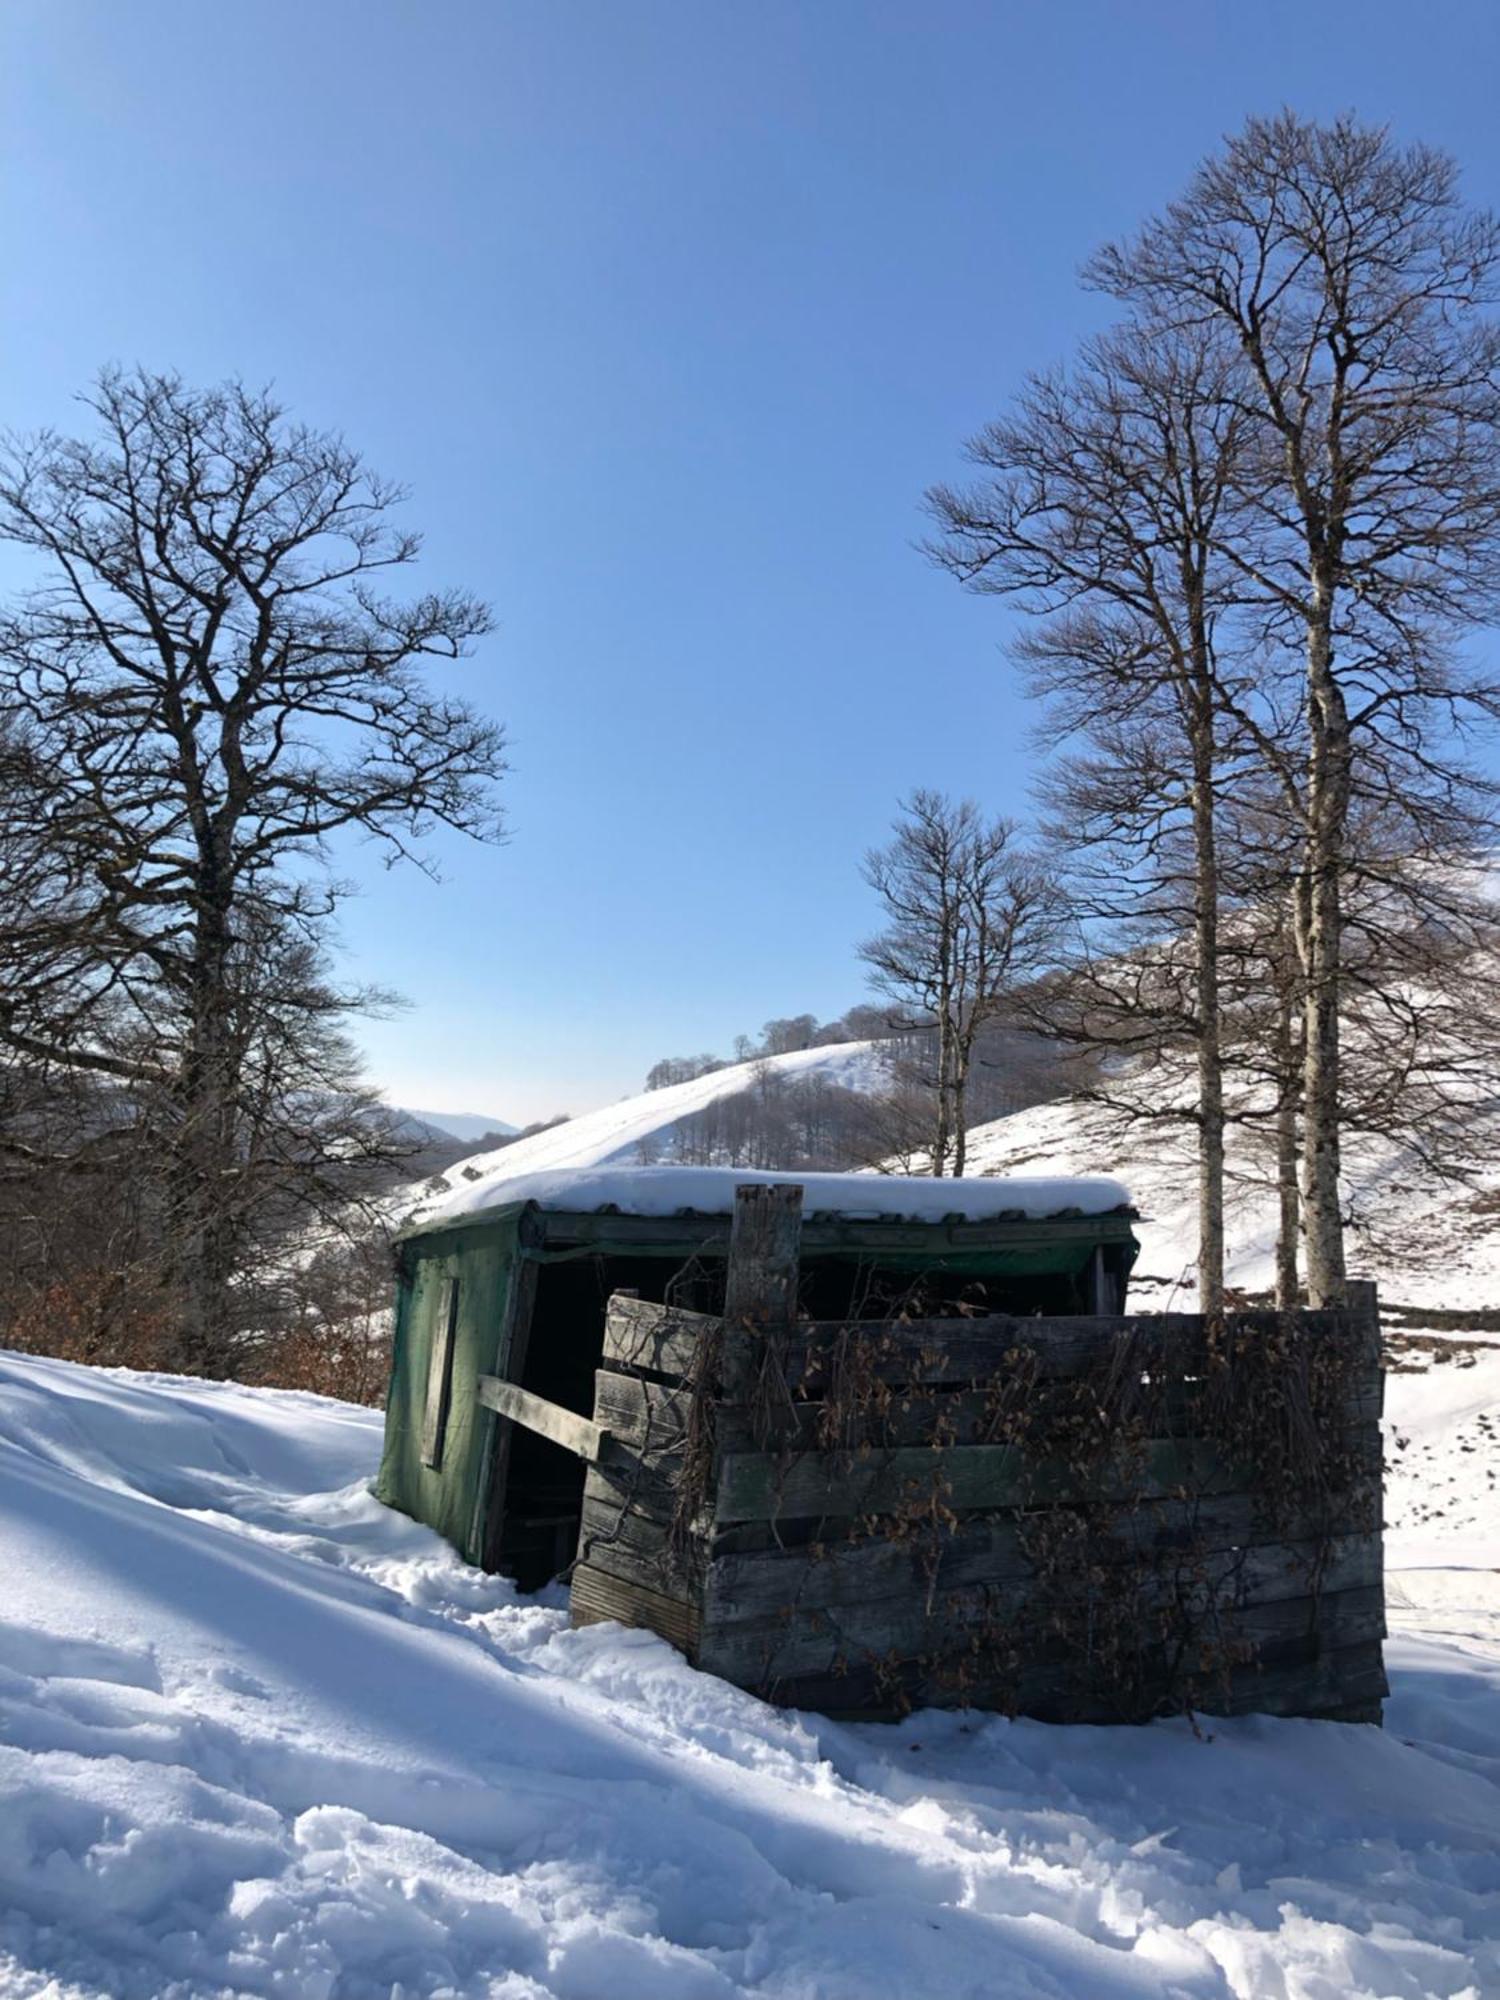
x,y
460,1124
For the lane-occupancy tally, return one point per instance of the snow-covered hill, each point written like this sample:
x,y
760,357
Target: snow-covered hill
x,y
618,1132
1428,1243
258,1736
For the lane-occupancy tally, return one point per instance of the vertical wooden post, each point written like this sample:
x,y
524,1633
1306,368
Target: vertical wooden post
x,y
1362,1305
760,1284
439,1374
760,1303
1100,1286
493,1466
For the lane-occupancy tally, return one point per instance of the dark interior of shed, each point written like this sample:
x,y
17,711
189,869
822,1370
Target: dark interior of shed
x,y
539,1515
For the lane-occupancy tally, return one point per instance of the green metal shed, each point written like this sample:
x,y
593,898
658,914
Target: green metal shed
x,y
511,1279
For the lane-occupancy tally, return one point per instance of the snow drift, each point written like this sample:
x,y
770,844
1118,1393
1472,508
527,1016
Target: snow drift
x,y
262,1737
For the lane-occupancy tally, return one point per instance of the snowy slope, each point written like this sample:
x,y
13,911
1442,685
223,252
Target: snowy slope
x,y
259,1736
1426,1243
616,1131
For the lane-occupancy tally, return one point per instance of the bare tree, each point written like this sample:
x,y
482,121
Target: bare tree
x,y
224,695
787,1034
1103,501
1354,286
970,914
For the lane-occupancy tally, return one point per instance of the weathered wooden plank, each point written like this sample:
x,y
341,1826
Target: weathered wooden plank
x,y
1255,1594
642,1334
820,1567
755,1486
630,1545
439,1375
664,1340
512,1343
604,1507
580,1435
979,1349
937,1416
1221,1536
1053,1689
632,1507
1350,1678
654,1417
597,1595
760,1283
652,1480
641,1488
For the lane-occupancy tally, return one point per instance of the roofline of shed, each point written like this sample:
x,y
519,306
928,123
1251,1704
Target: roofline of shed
x,y
822,1229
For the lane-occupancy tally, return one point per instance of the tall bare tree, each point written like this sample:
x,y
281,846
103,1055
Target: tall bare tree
x,y
1103,499
224,695
970,915
1355,287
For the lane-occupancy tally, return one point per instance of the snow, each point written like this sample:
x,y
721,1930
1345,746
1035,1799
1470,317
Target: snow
x,y
260,1736
710,1191
1426,1242
586,1164
616,1132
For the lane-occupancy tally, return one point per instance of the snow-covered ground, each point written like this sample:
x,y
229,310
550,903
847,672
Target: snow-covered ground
x,y
260,1736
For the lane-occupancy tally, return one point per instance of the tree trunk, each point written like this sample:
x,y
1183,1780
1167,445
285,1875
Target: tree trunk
x,y
962,1055
945,1042
1288,1148
204,1238
941,1135
1210,1057
1320,947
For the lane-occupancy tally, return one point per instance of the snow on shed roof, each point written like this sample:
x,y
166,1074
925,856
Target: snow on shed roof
x,y
853,1197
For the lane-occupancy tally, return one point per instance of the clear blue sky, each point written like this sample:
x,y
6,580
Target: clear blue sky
x,y
667,310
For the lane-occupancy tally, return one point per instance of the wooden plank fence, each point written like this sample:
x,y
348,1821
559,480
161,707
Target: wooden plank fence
x,y
1085,1519
869,1517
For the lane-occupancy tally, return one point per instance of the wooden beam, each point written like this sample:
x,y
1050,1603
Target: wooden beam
x,y
580,1435
760,1287
663,1340
1338,1683
439,1375
511,1346
994,1550
761,1486
599,1594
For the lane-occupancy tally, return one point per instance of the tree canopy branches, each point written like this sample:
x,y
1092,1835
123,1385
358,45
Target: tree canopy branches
x,y
211,686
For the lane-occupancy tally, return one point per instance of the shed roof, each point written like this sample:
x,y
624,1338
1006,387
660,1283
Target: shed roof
x,y
671,1191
